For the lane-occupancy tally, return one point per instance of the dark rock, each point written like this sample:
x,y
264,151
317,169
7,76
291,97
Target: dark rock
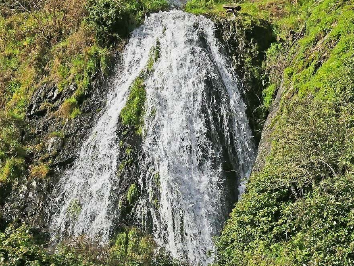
x,y
57,142
246,41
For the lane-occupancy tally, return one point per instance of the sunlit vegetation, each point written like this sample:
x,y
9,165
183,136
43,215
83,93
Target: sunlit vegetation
x,y
298,207
23,246
133,113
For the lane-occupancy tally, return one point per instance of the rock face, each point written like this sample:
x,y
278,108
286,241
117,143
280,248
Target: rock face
x,y
57,141
245,41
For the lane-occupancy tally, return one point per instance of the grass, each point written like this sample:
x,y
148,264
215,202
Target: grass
x,y
133,113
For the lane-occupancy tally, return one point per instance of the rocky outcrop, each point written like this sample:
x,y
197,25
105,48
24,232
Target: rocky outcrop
x,y
246,40
56,141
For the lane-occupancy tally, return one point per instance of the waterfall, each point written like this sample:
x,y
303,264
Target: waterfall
x,y
197,144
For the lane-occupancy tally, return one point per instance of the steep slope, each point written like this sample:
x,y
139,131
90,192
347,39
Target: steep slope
x,y
298,208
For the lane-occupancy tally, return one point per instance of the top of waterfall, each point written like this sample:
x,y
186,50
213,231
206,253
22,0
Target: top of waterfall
x,y
178,2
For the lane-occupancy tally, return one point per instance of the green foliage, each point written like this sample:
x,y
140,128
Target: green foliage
x,y
19,246
133,247
268,95
298,208
22,246
132,114
109,18
132,194
114,19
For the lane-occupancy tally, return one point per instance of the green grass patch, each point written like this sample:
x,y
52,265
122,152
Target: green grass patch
x,y
133,113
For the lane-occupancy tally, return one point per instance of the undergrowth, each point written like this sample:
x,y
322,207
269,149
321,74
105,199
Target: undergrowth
x,y
298,207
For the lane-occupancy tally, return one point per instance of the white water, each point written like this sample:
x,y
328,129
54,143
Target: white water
x,y
187,160
195,115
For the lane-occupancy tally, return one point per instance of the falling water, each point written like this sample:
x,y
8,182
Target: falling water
x,y
195,121
196,142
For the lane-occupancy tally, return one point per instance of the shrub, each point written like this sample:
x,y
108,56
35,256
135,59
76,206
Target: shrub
x,y
110,19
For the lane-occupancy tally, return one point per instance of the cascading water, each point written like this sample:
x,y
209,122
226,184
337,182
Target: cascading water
x,y
83,200
195,122
196,142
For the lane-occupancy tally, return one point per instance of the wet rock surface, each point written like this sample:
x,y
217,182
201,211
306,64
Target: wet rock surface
x,y
57,141
246,41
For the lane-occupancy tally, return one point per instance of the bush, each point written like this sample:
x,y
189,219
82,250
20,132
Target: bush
x,y
110,19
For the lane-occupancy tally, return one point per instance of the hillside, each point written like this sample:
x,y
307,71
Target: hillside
x,y
294,59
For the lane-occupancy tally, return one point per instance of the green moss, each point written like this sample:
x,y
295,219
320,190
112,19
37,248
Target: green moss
x,y
132,194
132,114
12,169
74,209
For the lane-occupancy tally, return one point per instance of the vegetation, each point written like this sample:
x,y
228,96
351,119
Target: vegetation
x,y
132,247
132,194
298,206
21,246
133,113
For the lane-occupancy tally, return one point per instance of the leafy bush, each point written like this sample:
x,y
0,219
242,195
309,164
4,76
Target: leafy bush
x,y
109,17
20,246
114,19
133,247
